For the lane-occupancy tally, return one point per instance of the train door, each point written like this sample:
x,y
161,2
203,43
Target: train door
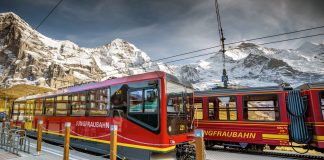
x,y
29,113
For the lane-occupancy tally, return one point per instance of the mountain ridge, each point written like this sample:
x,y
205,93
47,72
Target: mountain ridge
x,y
27,56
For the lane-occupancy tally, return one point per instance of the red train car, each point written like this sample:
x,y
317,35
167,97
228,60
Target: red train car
x,y
244,118
314,93
151,110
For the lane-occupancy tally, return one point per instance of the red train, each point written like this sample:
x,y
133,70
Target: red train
x,y
255,117
151,110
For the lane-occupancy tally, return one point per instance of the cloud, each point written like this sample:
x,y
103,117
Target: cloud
x,y
165,28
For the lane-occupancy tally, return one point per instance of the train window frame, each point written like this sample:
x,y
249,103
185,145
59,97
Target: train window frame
x,y
90,101
30,105
78,102
228,109
21,115
321,106
67,102
15,114
157,111
45,107
211,110
200,101
245,113
41,105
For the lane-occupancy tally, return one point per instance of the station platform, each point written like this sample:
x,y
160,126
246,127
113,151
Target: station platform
x,y
54,152
49,152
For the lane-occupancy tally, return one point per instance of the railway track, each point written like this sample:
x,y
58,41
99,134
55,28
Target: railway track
x,y
281,154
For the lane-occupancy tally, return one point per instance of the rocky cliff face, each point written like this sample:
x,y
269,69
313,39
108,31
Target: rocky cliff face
x,y
252,65
27,56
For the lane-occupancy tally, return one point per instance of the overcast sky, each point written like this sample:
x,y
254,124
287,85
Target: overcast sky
x,y
167,27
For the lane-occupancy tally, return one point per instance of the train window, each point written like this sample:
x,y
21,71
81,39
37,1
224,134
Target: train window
x,y
118,97
199,110
30,110
39,107
49,106
227,108
211,111
62,103
150,100
321,98
22,107
78,104
15,111
176,96
99,102
136,101
261,108
143,107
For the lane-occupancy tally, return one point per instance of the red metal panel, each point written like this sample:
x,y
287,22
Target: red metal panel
x,y
283,108
250,132
239,108
205,108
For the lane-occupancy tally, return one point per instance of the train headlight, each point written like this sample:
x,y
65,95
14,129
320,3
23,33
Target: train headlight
x,y
170,128
172,141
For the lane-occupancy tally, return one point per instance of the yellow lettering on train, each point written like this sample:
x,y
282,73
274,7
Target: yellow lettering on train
x,y
230,134
235,134
224,134
246,135
239,135
253,135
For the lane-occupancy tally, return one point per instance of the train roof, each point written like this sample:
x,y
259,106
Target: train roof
x,y
227,91
96,85
308,86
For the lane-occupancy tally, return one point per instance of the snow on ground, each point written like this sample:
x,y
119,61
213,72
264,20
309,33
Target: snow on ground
x,y
80,75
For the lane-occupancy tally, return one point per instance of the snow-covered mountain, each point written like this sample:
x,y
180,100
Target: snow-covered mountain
x,y
250,65
27,56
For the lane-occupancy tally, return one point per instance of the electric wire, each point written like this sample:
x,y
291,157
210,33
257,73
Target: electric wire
x,y
241,41
44,19
205,54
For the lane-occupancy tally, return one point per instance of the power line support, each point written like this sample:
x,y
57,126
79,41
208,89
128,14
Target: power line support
x,y
222,39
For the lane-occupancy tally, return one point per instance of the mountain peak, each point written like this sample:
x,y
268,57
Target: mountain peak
x,y
307,45
10,14
118,40
247,45
10,17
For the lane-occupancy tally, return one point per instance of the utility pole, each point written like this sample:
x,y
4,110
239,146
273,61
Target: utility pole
x,y
222,39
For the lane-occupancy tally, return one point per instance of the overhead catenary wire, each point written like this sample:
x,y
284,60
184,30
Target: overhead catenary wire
x,y
212,47
241,41
290,39
44,19
209,53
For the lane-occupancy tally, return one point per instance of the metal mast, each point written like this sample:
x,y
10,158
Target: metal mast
x,y
221,36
